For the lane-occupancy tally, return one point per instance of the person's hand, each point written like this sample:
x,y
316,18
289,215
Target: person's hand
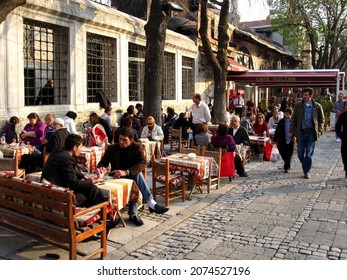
x,y
118,173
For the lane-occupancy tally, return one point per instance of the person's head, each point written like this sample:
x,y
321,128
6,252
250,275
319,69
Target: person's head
x,y
260,118
201,128
73,144
58,123
33,118
131,110
235,121
275,113
288,112
14,121
94,118
71,115
196,98
170,111
49,118
126,136
138,107
150,122
340,96
50,83
108,110
127,122
222,129
307,95
182,115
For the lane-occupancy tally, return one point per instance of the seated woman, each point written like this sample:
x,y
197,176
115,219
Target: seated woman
x,y
69,122
9,130
223,140
170,120
261,129
152,131
202,136
182,122
33,132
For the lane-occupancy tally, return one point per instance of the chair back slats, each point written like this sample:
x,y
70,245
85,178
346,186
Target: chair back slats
x,y
190,150
217,156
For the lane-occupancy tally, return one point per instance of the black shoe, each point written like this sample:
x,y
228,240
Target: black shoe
x,y
136,220
158,209
286,171
112,224
243,174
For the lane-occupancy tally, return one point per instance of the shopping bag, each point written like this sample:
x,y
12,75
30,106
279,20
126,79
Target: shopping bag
x,y
267,151
275,154
227,168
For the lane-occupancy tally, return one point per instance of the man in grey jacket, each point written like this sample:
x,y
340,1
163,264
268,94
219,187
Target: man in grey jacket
x,y
307,125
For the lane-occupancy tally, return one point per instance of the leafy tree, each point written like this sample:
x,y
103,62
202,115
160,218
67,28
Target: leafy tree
x,y
322,24
219,64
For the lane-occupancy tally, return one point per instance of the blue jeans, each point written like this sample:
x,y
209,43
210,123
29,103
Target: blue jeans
x,y
146,193
306,146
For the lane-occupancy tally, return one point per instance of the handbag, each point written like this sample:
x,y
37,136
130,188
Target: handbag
x,y
267,151
227,168
275,154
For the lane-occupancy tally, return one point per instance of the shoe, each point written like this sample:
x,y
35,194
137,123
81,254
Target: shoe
x,y
286,170
112,224
338,140
136,220
158,209
243,174
307,176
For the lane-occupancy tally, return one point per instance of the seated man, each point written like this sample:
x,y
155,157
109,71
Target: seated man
x,y
127,159
62,170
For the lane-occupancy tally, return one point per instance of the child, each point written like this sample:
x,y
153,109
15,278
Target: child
x,y
284,141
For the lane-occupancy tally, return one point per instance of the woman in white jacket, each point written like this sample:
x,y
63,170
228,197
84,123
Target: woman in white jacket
x,y
152,131
69,122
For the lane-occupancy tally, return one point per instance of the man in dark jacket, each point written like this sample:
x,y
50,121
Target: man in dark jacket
x,y
61,169
128,160
341,131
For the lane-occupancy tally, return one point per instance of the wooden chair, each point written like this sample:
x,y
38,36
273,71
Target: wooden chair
x,y
175,139
215,180
11,165
170,186
187,151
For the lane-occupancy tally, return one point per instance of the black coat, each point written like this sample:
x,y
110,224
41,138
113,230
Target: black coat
x,y
241,136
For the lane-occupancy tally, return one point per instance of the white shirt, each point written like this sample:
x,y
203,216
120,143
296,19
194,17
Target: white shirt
x,y
70,125
201,113
227,117
157,133
239,102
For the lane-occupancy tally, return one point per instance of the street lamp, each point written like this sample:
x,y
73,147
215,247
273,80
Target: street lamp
x,y
167,7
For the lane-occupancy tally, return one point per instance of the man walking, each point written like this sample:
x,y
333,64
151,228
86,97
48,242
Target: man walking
x,y
307,125
339,107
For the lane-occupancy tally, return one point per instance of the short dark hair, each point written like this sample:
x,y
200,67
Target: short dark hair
x,y
108,109
127,122
127,132
222,129
198,96
71,115
249,114
130,109
72,140
309,90
138,105
33,116
288,110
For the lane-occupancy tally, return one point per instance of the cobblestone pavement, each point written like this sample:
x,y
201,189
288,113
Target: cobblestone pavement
x,y
270,215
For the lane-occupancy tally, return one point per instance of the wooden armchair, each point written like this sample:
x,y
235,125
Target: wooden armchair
x,y
176,141
11,165
170,186
215,180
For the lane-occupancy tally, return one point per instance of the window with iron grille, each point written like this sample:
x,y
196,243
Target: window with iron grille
x,y
136,71
169,92
45,51
187,77
101,67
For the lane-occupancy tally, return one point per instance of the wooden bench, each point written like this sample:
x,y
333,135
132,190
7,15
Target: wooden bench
x,y
47,212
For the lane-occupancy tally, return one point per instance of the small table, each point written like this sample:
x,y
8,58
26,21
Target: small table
x,y
89,158
10,150
198,169
151,148
260,141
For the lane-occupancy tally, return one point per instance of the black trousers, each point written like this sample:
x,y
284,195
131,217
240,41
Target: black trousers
x,y
344,153
286,152
238,165
238,111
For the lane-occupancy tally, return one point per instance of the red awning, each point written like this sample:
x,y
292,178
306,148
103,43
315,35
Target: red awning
x,y
287,78
235,66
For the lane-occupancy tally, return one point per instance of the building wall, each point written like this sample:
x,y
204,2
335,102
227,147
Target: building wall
x,y
80,17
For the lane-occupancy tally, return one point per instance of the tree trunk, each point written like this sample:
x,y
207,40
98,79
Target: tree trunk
x,y
153,85
219,64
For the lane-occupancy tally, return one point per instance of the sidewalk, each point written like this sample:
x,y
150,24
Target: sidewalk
x,y
269,215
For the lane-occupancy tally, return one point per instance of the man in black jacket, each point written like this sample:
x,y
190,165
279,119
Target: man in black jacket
x,y
61,169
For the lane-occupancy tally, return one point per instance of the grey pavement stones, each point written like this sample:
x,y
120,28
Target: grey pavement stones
x,y
269,215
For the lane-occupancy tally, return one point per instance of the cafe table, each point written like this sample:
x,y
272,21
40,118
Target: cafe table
x,y
117,191
261,142
10,150
89,158
198,169
151,148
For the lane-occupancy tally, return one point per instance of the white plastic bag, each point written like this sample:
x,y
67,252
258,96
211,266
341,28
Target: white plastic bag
x,y
275,154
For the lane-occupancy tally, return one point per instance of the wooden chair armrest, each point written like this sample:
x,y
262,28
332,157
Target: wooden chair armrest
x,y
92,208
